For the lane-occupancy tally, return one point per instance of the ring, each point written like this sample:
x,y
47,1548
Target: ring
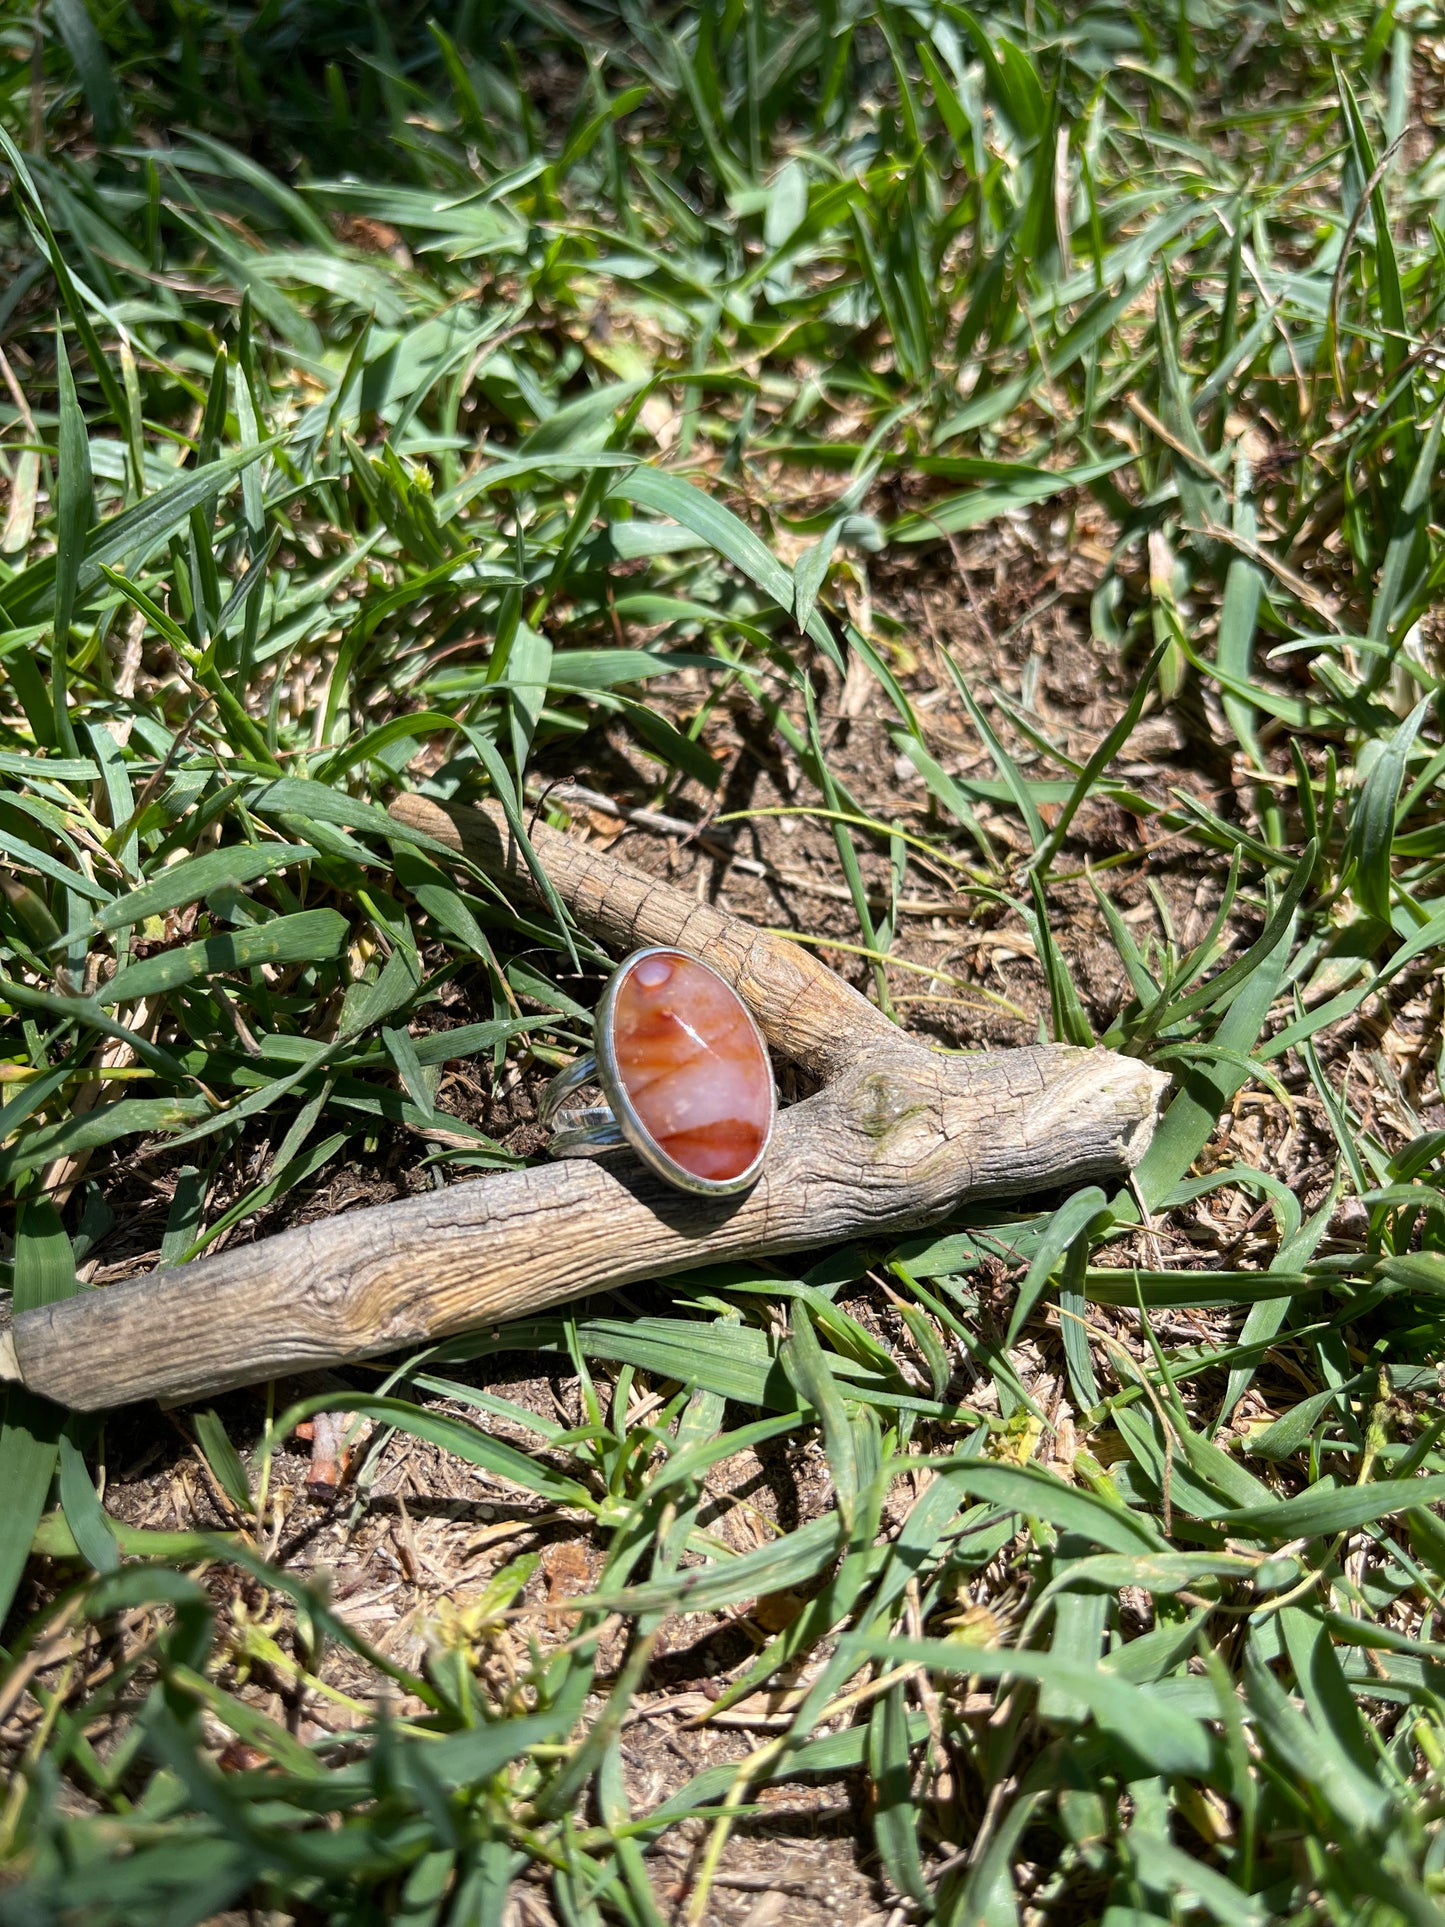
x,y
684,1076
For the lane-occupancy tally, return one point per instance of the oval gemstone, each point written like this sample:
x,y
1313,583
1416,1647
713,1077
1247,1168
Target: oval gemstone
x,y
692,1065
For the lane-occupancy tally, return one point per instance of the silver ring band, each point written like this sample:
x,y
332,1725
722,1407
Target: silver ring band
x,y
575,1077
581,1130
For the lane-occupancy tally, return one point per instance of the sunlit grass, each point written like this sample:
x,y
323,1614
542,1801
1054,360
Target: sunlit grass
x,y
394,400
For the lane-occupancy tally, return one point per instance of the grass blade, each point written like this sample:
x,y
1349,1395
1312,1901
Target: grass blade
x,y
31,1427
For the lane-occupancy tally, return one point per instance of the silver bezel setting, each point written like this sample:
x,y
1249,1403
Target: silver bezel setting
x,y
591,1136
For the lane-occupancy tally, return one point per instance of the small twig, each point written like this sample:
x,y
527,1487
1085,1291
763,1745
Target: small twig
x,y
723,846
17,395
58,1646
1262,558
1337,282
1199,463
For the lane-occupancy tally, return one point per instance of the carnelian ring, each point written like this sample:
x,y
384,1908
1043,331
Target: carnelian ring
x,y
685,1073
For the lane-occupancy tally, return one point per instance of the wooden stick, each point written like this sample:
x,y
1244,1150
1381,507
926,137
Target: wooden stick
x,y
898,1137
806,1011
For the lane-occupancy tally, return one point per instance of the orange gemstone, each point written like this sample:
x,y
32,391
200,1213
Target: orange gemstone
x,y
692,1065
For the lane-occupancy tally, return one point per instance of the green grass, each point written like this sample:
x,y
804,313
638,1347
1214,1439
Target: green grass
x,y
384,383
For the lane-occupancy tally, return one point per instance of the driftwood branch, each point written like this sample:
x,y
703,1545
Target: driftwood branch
x,y
897,1138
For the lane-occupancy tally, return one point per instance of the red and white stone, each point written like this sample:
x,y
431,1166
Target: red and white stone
x,y
692,1065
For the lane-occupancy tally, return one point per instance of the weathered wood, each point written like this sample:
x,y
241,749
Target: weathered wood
x,y
806,1011
897,1138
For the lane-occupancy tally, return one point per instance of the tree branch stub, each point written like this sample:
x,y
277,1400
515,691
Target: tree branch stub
x,y
806,1011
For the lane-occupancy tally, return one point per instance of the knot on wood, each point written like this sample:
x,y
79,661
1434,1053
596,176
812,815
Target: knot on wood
x,y
881,1102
